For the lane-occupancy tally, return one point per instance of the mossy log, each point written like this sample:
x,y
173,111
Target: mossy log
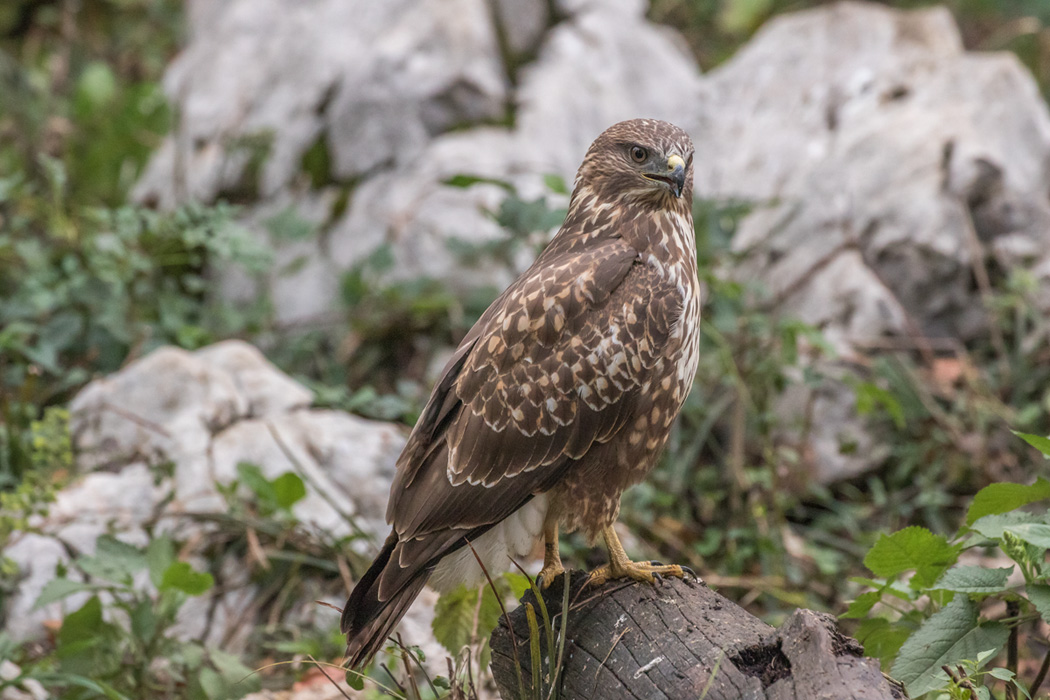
x,y
680,639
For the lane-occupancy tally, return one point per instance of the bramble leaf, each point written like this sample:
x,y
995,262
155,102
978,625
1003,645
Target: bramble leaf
x,y
862,605
994,526
1032,533
973,579
950,636
1003,498
911,548
1037,441
1039,595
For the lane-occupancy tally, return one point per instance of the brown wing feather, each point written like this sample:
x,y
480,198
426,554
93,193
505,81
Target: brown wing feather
x,y
512,420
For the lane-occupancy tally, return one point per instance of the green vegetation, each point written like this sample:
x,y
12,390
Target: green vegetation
x,y
955,608
90,282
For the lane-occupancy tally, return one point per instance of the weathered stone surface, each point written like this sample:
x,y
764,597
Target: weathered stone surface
x,y
202,413
881,159
401,96
879,155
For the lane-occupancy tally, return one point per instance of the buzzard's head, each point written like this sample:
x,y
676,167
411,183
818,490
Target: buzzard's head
x,y
641,160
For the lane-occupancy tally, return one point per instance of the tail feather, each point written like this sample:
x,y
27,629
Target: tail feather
x,y
367,619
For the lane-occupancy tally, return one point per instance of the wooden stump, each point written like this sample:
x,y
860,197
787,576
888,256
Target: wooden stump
x,y
680,639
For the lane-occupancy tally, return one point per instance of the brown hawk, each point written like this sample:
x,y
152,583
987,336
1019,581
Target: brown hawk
x,y
560,397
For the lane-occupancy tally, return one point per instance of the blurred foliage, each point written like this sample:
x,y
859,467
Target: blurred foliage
x,y
716,28
90,283
118,643
938,618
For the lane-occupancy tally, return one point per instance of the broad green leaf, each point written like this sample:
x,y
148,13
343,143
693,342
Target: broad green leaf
x,y
288,489
355,679
87,645
471,180
1032,533
234,673
454,618
911,548
1003,498
1039,596
180,576
950,636
251,476
212,684
993,526
113,560
555,183
1003,674
881,638
1037,441
144,621
973,579
860,607
160,554
59,588
454,613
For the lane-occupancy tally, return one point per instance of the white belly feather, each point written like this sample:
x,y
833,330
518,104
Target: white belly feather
x,y
514,537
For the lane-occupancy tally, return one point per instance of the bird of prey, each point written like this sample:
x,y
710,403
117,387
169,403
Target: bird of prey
x,y
560,397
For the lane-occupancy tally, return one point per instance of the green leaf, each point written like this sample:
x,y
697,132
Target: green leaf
x,y
288,489
1037,441
1039,596
994,526
555,183
1032,533
860,607
913,548
212,684
113,560
973,579
1003,674
871,398
59,588
881,638
1003,498
87,645
144,621
949,636
160,554
454,618
355,679
251,476
234,673
463,181
180,576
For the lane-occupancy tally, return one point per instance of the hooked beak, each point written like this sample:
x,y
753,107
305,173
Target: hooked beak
x,y
674,177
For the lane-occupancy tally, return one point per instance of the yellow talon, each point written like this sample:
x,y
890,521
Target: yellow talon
x,y
620,566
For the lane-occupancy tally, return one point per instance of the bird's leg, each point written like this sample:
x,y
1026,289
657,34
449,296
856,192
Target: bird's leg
x,y
620,566
552,567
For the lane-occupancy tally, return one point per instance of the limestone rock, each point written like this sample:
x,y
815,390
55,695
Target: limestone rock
x,y
880,158
399,97
155,442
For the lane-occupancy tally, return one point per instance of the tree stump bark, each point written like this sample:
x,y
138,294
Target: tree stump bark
x,y
680,639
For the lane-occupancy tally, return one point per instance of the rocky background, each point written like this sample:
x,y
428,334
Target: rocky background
x,y
882,192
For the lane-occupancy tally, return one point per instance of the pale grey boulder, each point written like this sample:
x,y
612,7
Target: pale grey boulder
x,y
400,97
155,441
879,157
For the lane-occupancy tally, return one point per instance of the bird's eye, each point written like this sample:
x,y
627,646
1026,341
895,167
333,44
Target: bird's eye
x,y
639,154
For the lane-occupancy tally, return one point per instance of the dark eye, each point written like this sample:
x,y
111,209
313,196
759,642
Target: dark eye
x,y
639,154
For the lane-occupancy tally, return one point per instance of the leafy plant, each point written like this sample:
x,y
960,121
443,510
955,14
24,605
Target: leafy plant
x,y
119,643
945,610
